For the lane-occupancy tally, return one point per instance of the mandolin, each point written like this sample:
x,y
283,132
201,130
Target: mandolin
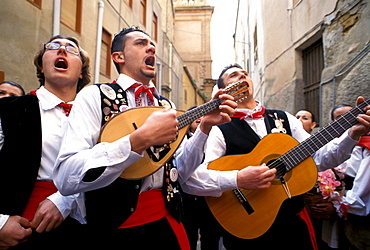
x,y
248,214
154,157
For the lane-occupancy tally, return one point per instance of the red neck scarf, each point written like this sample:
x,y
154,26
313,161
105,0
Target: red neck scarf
x,y
66,106
365,141
255,115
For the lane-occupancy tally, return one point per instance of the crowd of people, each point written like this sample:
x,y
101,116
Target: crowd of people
x,y
72,183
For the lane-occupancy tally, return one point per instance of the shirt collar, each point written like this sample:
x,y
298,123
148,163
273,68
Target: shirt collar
x,y
47,99
251,111
125,82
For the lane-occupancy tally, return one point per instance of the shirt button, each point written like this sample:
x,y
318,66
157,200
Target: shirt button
x,y
137,187
132,210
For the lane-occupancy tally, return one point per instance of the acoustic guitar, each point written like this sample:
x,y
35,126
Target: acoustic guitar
x,y
248,214
154,157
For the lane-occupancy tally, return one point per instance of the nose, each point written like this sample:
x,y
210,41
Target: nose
x,y
63,48
243,76
151,48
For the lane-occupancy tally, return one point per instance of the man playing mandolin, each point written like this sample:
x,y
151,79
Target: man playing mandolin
x,y
138,212
256,197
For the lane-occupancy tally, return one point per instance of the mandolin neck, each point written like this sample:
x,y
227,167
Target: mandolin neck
x,y
190,116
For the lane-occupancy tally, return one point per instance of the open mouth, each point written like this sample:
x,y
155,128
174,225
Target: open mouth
x,y
150,61
61,63
247,83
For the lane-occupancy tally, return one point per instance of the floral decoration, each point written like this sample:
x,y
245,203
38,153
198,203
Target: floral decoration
x,y
327,182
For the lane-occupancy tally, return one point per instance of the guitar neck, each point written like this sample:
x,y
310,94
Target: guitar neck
x,y
334,129
190,116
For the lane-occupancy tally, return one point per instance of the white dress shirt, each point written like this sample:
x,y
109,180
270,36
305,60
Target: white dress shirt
x,y
81,152
52,118
207,182
358,198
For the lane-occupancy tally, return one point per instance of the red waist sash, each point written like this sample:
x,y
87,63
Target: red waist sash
x,y
151,207
306,217
41,190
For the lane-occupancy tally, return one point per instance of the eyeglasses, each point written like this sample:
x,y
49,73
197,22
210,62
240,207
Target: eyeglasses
x,y
69,48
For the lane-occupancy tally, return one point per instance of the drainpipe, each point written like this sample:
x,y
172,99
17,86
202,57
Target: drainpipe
x,y
159,86
56,20
98,41
170,63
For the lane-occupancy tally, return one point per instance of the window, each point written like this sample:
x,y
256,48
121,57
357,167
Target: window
x,y
105,57
155,27
71,14
37,3
129,3
313,64
143,12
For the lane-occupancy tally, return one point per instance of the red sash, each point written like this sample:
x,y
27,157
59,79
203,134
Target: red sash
x,y
306,217
41,190
151,207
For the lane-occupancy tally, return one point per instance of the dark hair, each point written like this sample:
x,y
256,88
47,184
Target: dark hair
x,y
85,71
220,81
15,85
337,107
312,115
119,40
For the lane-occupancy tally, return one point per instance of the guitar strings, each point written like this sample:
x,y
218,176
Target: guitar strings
x,y
287,161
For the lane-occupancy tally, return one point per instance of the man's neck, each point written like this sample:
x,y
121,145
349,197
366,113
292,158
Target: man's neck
x,y
65,93
143,80
249,103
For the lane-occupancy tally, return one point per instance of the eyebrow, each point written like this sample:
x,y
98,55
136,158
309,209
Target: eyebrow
x,y
145,40
68,42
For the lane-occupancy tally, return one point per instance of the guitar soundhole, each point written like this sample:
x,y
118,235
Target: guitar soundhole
x,y
280,167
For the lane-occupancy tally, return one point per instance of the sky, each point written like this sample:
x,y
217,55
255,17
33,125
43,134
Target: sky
x,y
222,30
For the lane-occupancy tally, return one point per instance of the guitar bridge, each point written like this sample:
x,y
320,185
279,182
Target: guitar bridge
x,y
245,203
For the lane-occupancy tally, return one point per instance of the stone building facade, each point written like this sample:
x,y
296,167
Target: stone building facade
x,y
193,41
27,23
308,54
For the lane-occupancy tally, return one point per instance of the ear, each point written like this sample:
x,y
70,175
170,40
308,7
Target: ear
x,y
118,57
313,125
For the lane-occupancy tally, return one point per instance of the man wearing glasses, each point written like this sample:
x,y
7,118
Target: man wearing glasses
x,y
33,214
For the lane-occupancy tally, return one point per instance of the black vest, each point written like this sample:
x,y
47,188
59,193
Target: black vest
x,y
20,155
110,206
240,138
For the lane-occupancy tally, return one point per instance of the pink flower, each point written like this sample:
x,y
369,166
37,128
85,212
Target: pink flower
x,y
327,183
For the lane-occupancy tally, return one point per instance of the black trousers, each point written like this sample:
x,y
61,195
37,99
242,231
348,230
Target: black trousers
x,y
154,235
291,234
199,218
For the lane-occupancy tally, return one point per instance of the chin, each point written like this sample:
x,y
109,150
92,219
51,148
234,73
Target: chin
x,y
150,75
